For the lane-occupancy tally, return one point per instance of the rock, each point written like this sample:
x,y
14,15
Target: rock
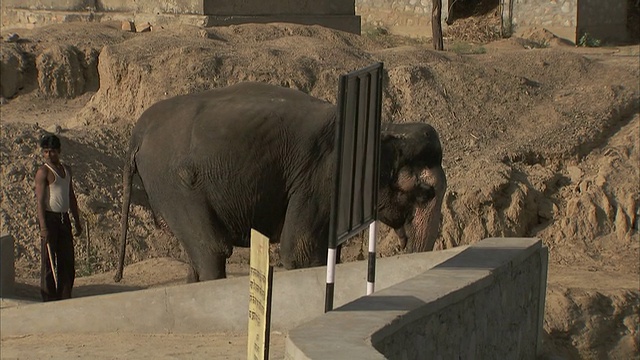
x,y
55,129
13,37
143,28
128,26
575,173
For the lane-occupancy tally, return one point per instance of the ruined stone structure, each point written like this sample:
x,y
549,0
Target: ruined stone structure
x,y
337,14
569,19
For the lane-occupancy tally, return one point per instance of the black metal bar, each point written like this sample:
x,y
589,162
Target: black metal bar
x,y
333,221
355,230
328,298
371,267
377,124
365,150
355,100
267,335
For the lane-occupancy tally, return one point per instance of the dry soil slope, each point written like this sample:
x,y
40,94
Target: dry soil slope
x,y
540,142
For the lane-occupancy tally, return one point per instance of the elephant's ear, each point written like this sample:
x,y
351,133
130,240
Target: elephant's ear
x,y
416,145
390,155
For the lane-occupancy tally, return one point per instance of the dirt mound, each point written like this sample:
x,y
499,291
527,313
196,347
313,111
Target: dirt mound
x,y
594,319
538,142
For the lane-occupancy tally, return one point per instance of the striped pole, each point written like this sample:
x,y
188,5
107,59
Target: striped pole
x,y
371,266
331,278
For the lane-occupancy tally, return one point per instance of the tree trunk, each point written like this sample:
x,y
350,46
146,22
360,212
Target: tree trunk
x,y
436,25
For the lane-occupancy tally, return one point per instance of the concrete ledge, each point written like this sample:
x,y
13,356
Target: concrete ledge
x,y
7,266
67,5
212,306
486,302
202,7
347,23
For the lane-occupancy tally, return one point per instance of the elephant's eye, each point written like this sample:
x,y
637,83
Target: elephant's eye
x,y
424,193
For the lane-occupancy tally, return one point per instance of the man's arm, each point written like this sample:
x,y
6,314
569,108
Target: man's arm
x,y
73,206
41,187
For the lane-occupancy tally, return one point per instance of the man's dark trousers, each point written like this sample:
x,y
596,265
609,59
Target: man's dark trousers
x,y
61,241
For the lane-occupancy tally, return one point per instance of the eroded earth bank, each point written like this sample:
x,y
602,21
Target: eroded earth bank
x,y
540,140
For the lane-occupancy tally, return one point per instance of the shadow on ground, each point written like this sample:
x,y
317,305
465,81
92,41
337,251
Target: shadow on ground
x,y
31,292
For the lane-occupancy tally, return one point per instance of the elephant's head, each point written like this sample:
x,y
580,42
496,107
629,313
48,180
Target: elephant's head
x,y
412,184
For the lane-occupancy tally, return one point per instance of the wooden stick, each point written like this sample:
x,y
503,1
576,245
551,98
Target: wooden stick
x,y
86,223
53,267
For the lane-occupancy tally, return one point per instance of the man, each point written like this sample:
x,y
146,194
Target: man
x,y
55,198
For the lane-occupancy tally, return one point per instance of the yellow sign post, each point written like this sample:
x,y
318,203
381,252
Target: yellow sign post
x,y
260,281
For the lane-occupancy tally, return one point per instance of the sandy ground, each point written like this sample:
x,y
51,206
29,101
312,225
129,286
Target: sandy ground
x,y
133,346
541,140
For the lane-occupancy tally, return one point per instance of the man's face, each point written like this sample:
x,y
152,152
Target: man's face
x,y
51,155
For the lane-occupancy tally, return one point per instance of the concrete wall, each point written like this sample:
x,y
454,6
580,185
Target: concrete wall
x,y
485,303
605,21
212,306
281,7
413,17
545,13
482,301
558,16
570,19
7,266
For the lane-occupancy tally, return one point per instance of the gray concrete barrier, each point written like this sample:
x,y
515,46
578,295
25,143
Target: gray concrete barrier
x,y
7,266
481,301
212,306
485,303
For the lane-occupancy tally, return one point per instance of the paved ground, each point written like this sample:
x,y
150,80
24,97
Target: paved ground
x,y
132,346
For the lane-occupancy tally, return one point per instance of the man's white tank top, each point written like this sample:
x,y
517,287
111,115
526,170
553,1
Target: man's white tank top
x,y
57,193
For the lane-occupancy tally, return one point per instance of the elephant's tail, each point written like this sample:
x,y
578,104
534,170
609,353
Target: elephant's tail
x,y
130,169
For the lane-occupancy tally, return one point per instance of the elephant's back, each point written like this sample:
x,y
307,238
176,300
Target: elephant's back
x,y
233,111
235,124
258,111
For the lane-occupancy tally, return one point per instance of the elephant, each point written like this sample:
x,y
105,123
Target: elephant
x,y
217,163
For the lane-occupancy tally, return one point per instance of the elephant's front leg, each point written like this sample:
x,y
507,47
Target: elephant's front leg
x,y
304,238
211,268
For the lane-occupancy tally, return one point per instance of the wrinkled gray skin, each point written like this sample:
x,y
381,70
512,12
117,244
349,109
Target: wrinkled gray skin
x,y
218,163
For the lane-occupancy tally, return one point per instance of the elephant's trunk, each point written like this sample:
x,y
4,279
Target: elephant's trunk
x,y
423,229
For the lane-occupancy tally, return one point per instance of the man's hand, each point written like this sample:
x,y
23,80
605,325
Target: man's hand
x,y
78,227
44,234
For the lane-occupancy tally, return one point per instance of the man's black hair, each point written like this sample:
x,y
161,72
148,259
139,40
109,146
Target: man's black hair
x,y
50,141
